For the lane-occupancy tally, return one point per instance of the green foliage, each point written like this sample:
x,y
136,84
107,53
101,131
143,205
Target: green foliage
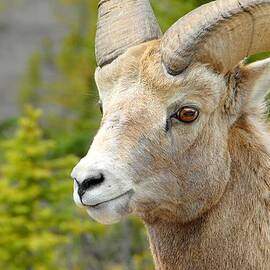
x,y
32,82
169,12
6,127
259,56
33,186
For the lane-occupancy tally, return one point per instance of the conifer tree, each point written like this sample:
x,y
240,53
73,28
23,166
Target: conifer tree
x,y
32,185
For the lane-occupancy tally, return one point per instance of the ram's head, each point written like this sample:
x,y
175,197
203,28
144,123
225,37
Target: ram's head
x,y
169,103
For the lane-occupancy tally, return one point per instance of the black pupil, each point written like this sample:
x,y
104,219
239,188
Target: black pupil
x,y
189,113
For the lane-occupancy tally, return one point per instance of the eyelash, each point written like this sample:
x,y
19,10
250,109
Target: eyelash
x,y
168,124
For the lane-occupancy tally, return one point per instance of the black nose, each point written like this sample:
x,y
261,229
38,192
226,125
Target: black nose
x,y
90,183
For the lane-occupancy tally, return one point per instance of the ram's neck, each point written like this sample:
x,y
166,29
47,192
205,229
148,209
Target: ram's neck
x,y
236,233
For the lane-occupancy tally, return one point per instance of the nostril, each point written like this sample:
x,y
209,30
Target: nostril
x,y
90,183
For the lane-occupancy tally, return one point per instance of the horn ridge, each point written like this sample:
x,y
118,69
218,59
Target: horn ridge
x,y
220,33
123,24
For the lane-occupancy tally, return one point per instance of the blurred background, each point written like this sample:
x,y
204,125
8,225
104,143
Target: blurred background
x,y
48,117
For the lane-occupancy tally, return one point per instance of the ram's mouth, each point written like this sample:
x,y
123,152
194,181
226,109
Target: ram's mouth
x,y
113,210
127,194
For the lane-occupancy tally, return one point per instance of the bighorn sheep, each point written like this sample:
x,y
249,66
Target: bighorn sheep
x,y
182,142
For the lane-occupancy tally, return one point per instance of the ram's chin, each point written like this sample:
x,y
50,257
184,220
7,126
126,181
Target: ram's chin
x,y
110,212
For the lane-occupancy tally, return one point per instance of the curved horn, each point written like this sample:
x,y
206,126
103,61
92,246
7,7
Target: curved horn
x,y
123,24
220,33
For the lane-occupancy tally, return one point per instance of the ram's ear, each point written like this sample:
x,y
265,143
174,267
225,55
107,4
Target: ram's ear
x,y
248,86
256,81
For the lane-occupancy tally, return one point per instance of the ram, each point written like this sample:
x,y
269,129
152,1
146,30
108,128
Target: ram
x,y
183,143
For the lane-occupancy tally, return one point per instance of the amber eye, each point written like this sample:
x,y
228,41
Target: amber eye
x,y
187,114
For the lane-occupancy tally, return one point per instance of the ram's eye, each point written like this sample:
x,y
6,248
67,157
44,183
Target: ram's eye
x,y
187,114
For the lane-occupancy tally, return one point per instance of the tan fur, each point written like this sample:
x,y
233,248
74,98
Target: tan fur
x,y
202,189
235,233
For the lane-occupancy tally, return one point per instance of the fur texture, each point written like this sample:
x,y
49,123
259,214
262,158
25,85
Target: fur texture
x,y
203,188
